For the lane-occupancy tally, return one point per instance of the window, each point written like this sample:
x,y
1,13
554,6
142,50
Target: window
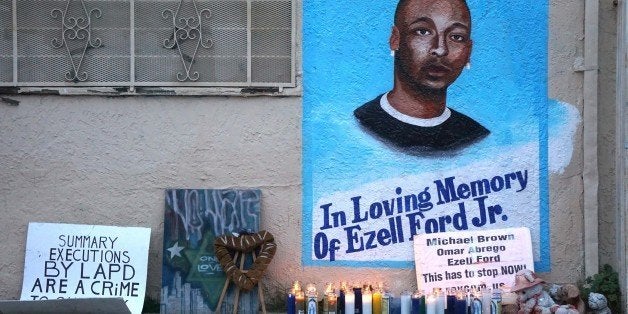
x,y
147,43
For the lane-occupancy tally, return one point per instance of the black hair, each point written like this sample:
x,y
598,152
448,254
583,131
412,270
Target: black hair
x,y
402,3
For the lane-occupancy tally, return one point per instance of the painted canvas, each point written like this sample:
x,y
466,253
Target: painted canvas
x,y
192,279
431,118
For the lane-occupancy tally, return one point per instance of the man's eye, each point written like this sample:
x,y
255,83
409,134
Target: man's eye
x,y
423,31
458,38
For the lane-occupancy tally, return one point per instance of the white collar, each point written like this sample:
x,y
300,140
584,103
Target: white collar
x,y
383,102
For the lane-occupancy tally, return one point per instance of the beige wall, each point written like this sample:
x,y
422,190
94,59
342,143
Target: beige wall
x,y
97,160
606,136
100,160
566,204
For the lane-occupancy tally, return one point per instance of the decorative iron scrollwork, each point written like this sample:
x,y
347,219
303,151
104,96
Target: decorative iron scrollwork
x,y
76,30
187,28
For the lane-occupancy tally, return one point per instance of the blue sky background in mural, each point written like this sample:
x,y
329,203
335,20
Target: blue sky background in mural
x,y
347,62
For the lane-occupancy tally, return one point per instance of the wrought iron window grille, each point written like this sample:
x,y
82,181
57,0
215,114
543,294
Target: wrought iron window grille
x,y
76,29
187,28
140,44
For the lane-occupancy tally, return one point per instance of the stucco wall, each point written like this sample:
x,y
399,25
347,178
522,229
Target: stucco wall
x,y
566,203
606,134
100,160
97,160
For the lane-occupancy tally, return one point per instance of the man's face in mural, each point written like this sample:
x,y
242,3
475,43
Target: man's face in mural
x,y
432,42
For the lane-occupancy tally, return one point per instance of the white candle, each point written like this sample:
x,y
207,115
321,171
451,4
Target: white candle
x,y
349,302
367,303
430,304
406,303
441,304
486,301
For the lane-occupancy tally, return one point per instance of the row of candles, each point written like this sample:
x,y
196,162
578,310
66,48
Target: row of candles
x,y
366,299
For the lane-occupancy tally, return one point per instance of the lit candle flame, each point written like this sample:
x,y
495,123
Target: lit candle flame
x,y
310,288
329,288
296,286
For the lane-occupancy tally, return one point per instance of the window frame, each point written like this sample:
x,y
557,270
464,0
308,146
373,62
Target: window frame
x,y
132,87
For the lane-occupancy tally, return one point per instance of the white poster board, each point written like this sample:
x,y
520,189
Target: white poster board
x,y
469,259
85,261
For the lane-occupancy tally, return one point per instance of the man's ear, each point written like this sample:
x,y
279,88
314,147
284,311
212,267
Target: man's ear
x,y
394,38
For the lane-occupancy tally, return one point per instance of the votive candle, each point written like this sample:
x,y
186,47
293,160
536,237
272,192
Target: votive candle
x,y
300,302
496,302
327,297
441,302
460,307
430,304
386,299
451,303
357,291
377,302
418,303
312,299
486,301
476,304
367,302
291,303
406,302
332,303
349,302
312,305
341,298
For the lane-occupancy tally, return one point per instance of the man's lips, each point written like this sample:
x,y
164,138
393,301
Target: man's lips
x,y
437,70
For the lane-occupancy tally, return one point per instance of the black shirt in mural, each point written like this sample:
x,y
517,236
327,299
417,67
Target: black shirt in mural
x,y
457,132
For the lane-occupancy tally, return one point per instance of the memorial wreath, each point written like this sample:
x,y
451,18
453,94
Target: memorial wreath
x,y
245,243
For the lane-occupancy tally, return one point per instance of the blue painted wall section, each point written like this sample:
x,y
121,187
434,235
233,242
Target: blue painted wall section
x,y
347,62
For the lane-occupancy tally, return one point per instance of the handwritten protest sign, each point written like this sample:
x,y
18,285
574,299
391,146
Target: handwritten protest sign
x,y
85,261
469,259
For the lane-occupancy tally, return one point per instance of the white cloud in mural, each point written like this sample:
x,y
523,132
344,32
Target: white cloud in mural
x,y
563,122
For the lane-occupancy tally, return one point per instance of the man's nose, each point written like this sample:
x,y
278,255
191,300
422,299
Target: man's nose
x,y
439,46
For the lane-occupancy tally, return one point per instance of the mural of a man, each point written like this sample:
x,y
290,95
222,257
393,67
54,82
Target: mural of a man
x,y
431,42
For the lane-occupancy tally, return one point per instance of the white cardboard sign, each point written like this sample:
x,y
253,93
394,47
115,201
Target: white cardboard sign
x,y
86,261
469,259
